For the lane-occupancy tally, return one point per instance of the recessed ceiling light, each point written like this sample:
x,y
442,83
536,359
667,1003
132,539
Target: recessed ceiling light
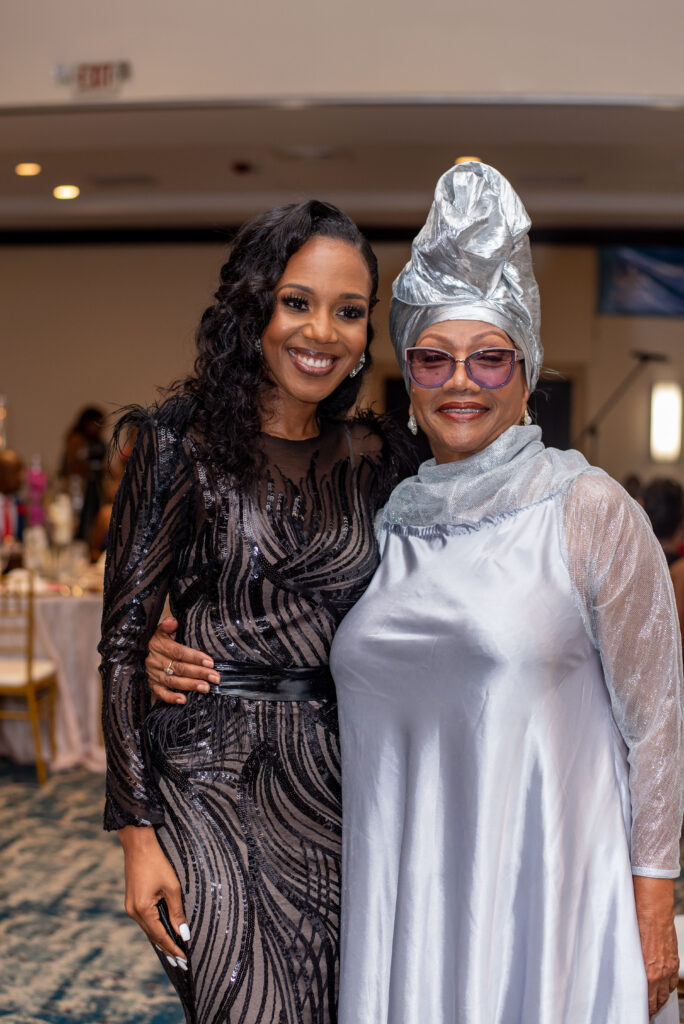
x,y
27,170
66,191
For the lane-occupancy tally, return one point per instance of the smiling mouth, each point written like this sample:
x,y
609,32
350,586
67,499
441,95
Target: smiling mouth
x,y
316,364
462,411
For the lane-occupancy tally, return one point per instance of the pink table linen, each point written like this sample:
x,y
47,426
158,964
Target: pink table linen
x,y
67,630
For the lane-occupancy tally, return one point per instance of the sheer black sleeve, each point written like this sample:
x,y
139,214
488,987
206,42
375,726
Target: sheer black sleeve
x,y
149,524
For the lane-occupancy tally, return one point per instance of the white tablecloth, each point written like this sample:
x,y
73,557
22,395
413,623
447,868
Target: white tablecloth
x,y
67,630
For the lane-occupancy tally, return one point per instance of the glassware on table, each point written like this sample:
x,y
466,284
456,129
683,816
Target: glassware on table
x,y
36,549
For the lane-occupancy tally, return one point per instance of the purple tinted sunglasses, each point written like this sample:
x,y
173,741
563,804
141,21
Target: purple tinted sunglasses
x,y
489,368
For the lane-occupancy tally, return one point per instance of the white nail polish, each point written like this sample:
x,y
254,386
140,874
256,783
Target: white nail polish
x,y
184,932
183,964
172,961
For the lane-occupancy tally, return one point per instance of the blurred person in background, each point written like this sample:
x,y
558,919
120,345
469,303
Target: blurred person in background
x,y
632,484
99,531
663,501
12,511
83,466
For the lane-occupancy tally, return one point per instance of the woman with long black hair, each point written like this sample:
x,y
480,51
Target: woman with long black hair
x,y
249,499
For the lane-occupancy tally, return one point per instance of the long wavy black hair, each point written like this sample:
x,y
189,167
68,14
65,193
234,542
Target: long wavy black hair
x,y
223,398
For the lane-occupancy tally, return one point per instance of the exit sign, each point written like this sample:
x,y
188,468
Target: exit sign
x,y
96,77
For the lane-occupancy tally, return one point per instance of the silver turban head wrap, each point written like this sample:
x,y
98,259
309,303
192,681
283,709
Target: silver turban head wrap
x,y
471,261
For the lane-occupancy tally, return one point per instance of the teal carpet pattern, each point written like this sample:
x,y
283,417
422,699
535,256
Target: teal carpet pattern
x,y
70,953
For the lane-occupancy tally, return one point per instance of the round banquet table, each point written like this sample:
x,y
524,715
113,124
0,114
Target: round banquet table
x,y
67,630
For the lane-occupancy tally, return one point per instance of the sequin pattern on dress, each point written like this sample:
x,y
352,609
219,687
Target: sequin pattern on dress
x,y
244,794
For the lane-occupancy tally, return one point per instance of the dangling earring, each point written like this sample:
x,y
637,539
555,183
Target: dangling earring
x,y
359,366
527,419
412,424
257,346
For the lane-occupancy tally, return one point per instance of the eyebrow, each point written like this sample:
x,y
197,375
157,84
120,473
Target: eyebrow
x,y
310,291
476,337
487,334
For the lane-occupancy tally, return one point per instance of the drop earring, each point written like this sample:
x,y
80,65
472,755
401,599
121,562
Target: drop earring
x,y
412,424
527,419
359,366
257,346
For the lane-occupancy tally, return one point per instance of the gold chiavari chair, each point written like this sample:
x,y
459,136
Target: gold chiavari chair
x,y
25,679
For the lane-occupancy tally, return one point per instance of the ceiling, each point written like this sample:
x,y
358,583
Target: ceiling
x,y
575,166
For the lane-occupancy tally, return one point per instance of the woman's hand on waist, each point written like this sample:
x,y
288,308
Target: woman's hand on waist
x,y
149,879
172,668
654,899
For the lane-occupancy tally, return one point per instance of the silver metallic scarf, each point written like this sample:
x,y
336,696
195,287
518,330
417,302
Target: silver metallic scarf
x,y
513,472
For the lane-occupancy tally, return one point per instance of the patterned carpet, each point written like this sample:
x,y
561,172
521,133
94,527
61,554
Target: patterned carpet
x,y
71,954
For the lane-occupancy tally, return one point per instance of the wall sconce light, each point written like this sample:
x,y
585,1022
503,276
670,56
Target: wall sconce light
x,y
666,422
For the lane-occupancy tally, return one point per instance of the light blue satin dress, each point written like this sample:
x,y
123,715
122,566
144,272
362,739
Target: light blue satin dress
x,y
487,752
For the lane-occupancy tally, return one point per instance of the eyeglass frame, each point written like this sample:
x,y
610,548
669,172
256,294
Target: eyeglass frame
x,y
518,357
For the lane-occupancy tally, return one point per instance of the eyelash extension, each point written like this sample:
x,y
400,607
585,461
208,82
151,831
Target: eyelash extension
x,y
301,304
353,312
295,301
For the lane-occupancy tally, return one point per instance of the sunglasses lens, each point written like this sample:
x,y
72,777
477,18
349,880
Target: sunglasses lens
x,y
428,367
492,368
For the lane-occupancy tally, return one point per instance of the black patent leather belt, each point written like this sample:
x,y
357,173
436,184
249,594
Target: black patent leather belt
x,y
260,682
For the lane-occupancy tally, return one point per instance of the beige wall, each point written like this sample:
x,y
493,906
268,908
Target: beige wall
x,y
213,50
109,324
96,325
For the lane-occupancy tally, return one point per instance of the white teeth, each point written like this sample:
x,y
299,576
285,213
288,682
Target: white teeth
x,y
316,363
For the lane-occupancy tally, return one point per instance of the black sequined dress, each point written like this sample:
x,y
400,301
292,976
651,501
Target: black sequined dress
x,y
244,794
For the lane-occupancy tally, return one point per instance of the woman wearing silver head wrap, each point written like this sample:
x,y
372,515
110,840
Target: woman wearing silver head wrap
x,y
509,685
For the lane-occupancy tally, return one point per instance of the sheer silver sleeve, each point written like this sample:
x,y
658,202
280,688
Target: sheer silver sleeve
x,y
627,602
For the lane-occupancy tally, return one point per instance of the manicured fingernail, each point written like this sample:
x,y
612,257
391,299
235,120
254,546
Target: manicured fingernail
x,y
183,964
172,961
184,932
208,663
180,700
203,688
215,677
